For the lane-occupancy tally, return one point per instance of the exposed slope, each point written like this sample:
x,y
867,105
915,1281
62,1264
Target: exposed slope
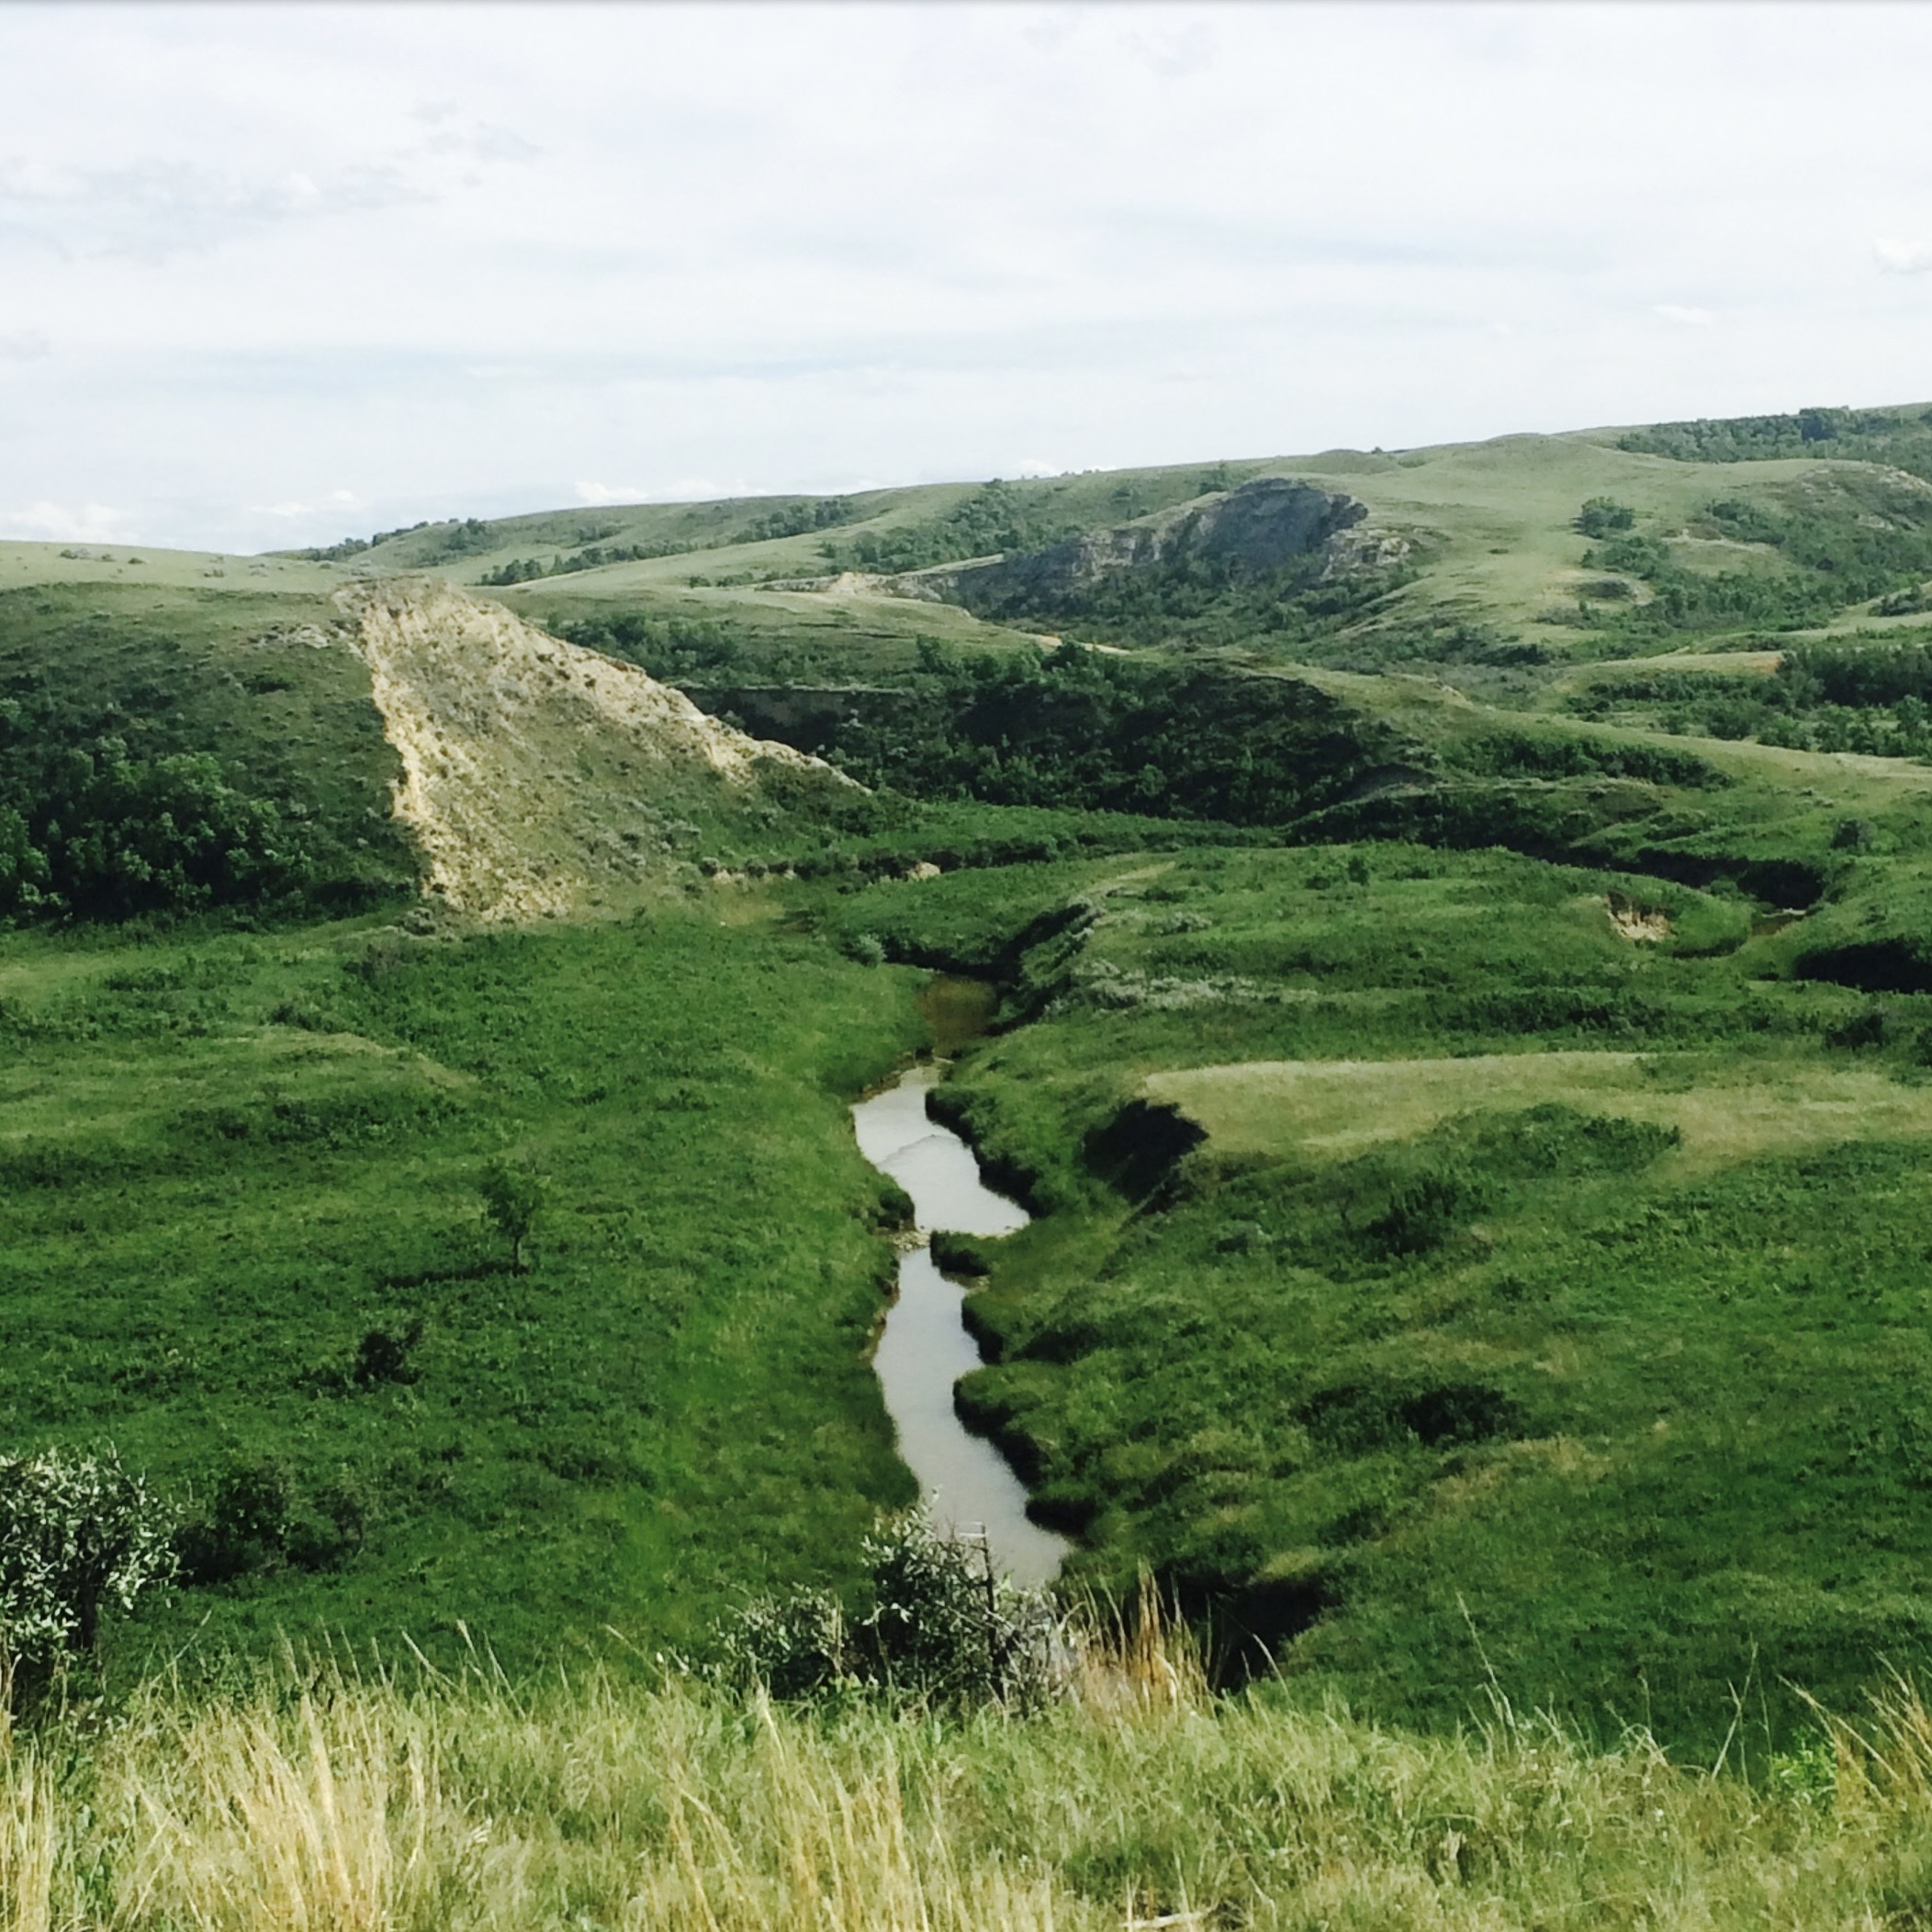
x,y
1256,530
535,770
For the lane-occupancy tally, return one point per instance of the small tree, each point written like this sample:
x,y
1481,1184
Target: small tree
x,y
1604,516
77,1532
514,1196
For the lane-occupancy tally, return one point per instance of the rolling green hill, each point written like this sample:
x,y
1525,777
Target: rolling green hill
x,y
1459,920
1731,532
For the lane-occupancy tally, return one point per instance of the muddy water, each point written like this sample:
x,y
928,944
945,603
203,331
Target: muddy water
x,y
925,1349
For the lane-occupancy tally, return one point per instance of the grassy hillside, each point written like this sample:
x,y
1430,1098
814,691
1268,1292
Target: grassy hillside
x,y
182,746
1727,530
669,1406
1463,980
251,674
1439,1241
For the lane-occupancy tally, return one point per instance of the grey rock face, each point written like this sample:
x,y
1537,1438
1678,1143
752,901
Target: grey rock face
x,y
1259,528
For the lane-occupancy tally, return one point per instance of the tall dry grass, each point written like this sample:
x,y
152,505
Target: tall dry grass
x,y
357,1803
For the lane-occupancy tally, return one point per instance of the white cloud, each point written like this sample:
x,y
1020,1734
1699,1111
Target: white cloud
x,y
156,207
602,493
336,502
68,523
25,345
469,253
677,489
1902,258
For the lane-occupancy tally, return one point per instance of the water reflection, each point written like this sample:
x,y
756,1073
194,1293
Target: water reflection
x,y
925,1348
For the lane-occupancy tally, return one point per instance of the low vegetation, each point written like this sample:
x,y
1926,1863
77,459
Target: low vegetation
x,y
319,1797
390,1395
1412,1216
1460,1014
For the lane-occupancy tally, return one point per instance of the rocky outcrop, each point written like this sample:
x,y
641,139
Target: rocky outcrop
x,y
1258,529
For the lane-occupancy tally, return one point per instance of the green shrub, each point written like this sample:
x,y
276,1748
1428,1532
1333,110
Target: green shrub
x,y
959,1254
95,833
939,1627
1424,1214
1604,516
257,1522
77,1533
383,1355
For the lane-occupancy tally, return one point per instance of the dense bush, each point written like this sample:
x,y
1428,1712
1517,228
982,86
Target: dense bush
x,y
592,556
258,1520
1848,539
798,519
998,516
1092,731
1901,438
1866,694
77,1533
1425,1213
672,648
98,834
1604,516
940,1625
1521,755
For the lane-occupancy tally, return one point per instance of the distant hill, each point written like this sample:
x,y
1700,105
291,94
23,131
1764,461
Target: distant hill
x,y
1519,574
1466,554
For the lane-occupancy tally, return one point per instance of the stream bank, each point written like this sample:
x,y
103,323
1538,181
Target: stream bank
x,y
924,1347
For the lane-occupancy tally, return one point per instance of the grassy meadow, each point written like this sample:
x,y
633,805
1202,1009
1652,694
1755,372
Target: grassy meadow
x,y
1462,1022
1437,1278
229,1159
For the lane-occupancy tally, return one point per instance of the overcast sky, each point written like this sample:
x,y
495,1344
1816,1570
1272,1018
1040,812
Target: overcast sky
x,y
274,274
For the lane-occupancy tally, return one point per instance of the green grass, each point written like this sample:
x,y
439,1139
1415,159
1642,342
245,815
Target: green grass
x,y
1723,1110
143,570
1516,1268
1480,1189
223,1162
332,1803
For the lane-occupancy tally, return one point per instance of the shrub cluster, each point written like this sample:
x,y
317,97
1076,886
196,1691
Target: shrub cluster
x,y
93,832
938,1626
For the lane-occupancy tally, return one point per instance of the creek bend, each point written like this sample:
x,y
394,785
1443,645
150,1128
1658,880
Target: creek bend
x,y
925,1348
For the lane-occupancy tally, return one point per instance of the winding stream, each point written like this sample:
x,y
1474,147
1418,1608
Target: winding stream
x,y
925,1348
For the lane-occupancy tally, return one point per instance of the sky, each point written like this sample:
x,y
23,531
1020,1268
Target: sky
x,y
275,274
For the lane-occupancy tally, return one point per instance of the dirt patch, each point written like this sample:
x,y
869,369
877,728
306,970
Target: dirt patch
x,y
534,770
1638,923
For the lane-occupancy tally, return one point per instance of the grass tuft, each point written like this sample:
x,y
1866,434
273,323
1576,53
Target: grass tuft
x,y
332,1800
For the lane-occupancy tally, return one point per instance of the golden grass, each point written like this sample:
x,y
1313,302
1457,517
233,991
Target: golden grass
x,y
353,1806
1725,1112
